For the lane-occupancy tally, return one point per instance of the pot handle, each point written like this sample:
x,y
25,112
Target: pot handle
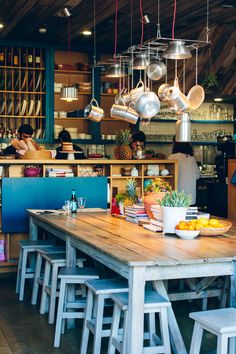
x,y
95,101
140,83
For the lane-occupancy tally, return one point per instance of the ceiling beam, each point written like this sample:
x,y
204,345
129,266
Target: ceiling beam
x,y
18,17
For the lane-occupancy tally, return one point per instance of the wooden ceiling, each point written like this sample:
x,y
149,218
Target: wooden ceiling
x,y
23,18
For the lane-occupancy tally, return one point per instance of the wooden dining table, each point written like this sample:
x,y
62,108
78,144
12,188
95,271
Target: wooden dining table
x,y
140,256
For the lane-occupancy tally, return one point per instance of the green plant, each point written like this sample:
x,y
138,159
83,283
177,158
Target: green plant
x,y
176,199
158,185
210,81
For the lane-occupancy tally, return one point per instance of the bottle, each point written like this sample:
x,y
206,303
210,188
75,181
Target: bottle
x,y
2,57
30,59
15,58
73,200
37,60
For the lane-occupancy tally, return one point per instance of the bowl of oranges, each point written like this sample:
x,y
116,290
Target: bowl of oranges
x,y
187,230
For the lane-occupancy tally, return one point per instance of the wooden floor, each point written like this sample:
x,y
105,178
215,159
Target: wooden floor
x,y
24,331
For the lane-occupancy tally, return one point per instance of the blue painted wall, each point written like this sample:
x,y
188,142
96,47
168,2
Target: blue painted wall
x,y
19,194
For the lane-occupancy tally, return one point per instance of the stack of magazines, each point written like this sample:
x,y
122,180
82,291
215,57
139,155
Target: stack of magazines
x,y
59,172
135,213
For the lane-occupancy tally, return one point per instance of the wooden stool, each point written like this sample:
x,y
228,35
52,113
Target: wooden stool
x,y
38,277
27,247
153,303
66,308
220,322
98,291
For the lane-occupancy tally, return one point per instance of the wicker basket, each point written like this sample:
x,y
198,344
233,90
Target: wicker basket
x,y
212,231
37,155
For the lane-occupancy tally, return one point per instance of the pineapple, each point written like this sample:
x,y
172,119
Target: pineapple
x,y
130,196
122,150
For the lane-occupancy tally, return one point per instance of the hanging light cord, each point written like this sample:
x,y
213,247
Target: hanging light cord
x,y
158,20
69,53
142,22
207,22
116,22
174,18
94,32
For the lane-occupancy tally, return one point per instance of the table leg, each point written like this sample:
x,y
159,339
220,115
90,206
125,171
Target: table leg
x,y
70,262
33,230
134,343
175,335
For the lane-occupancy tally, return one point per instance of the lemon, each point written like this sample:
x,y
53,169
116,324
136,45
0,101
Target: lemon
x,y
203,222
214,223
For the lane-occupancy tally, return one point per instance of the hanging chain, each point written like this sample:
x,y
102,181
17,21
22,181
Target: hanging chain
x,y
158,20
196,73
184,72
207,23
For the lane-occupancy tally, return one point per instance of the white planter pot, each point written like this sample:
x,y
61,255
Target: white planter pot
x,y
171,217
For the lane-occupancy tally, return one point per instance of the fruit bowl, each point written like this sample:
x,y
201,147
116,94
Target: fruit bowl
x,y
213,231
187,234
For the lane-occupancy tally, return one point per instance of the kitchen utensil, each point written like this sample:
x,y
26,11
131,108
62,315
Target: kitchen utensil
x,y
162,92
94,112
137,91
156,70
147,105
32,171
123,112
183,128
177,100
196,94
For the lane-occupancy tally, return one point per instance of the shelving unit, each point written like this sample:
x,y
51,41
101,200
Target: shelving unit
x,y
23,95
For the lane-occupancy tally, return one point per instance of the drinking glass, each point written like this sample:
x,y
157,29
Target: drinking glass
x,y
81,202
67,206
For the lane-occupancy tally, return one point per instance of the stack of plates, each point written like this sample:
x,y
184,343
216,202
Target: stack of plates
x,y
73,132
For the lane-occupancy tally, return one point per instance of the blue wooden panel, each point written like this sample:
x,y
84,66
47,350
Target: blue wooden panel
x,y
19,194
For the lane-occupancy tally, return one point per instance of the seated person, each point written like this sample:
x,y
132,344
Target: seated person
x,y
65,139
138,145
24,141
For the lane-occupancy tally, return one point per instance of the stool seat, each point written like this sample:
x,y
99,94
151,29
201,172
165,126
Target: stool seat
x,y
107,286
27,247
66,309
51,249
221,322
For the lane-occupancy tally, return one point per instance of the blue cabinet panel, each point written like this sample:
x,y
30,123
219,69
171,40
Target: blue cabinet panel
x,y
19,194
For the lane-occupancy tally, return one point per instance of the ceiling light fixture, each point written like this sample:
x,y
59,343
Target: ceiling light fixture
x,y
69,92
42,30
145,19
1,25
218,99
65,12
87,33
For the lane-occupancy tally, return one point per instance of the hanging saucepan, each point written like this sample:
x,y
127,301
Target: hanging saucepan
x,y
196,94
147,105
156,70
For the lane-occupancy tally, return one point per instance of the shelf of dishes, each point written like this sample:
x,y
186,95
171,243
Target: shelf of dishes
x,y
7,133
20,108
84,88
22,81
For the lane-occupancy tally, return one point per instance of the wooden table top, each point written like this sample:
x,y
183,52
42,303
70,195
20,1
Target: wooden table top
x,y
135,246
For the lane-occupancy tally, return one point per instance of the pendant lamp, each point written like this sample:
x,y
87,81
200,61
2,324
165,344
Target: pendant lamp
x,y
140,62
177,50
115,71
69,92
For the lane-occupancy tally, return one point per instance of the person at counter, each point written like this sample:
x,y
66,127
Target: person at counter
x,y
137,144
67,145
188,171
24,141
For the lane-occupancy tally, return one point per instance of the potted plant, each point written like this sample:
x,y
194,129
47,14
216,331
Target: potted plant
x,y
154,191
129,196
174,207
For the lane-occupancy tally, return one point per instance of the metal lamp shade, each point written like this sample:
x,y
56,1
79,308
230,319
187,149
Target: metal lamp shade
x,y
177,50
69,93
140,62
183,128
115,71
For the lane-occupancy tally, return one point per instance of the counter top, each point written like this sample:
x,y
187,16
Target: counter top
x,y
82,162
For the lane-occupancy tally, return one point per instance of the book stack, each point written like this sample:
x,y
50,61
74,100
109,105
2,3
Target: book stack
x,y
155,226
59,172
135,213
192,213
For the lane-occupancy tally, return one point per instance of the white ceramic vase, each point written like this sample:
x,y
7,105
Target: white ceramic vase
x,y
171,217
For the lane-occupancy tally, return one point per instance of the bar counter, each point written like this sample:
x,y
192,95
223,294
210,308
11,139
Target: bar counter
x,y
140,256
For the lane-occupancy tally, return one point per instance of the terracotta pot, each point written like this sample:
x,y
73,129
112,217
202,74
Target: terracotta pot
x,y
151,198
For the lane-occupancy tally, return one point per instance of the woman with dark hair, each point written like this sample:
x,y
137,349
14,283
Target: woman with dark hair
x,y
188,171
64,137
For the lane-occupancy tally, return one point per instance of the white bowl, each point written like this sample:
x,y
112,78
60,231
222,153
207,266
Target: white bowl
x,y
187,234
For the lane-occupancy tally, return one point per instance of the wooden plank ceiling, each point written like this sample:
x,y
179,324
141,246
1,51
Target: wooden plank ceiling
x,y
23,18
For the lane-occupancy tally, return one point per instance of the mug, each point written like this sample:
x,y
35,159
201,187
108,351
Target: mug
x,y
137,91
94,113
125,113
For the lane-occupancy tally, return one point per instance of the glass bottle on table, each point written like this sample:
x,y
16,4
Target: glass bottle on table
x,y
74,203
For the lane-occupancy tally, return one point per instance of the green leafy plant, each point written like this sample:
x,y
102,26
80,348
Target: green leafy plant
x,y
176,199
158,185
210,81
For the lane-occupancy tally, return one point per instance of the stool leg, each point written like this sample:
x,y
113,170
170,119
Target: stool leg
x,y
151,327
222,344
23,272
165,330
43,301
19,272
232,345
114,329
125,327
57,336
52,301
98,325
88,316
196,339
36,276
